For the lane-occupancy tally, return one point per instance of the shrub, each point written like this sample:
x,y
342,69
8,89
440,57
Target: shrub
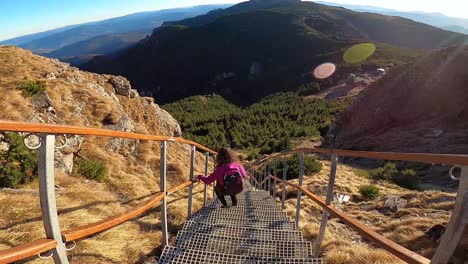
x,y
406,179
18,164
32,88
369,191
92,170
308,89
253,154
311,165
386,172
363,173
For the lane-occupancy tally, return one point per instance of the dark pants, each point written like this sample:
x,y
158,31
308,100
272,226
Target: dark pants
x,y
221,193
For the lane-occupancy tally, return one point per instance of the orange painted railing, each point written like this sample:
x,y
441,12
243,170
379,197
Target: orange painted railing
x,y
47,244
399,251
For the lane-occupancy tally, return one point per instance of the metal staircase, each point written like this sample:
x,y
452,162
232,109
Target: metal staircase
x,y
255,231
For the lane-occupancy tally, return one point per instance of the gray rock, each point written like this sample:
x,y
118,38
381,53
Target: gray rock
x,y
395,203
41,101
168,124
122,86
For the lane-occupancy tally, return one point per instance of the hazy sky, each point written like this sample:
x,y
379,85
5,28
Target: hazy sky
x,y
21,17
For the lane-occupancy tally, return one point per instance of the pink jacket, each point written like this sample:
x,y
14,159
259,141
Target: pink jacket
x,y
220,171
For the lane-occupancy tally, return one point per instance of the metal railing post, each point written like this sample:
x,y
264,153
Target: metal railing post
x,y
283,190
274,174
190,194
328,200
163,187
451,244
207,156
267,183
274,189
214,184
47,196
299,191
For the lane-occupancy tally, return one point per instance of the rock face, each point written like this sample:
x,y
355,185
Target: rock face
x,y
420,107
74,97
122,86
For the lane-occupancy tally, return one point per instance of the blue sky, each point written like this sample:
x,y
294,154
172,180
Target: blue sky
x,y
21,17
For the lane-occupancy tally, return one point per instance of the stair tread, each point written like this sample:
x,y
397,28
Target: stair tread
x,y
246,232
184,255
244,246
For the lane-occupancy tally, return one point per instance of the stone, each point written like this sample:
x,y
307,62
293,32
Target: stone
x,y
168,124
122,86
50,76
394,203
41,101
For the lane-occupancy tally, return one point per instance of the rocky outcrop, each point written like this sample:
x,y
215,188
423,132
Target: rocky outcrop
x,y
122,86
420,107
75,97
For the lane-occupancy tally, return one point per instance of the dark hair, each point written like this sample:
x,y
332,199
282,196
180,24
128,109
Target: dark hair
x,y
225,156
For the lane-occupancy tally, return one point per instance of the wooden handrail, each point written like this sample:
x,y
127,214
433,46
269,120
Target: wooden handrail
x,y
94,228
381,241
453,159
42,245
27,250
86,131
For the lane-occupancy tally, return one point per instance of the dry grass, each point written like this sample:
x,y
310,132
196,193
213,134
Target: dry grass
x,y
85,99
406,227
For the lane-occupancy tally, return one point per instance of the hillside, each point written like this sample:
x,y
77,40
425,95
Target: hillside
x,y
213,121
99,45
406,224
138,22
421,108
79,98
259,48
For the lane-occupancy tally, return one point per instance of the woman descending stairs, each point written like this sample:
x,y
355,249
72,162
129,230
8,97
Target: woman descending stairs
x,y
254,231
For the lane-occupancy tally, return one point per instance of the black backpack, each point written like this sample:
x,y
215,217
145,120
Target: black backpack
x,y
233,183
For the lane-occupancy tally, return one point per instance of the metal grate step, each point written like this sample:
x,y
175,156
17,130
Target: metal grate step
x,y
236,210
243,246
242,232
234,215
278,224
247,203
186,256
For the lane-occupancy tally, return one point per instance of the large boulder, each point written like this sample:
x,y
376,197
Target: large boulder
x,y
122,86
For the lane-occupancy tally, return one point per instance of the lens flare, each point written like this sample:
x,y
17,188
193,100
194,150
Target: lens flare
x,y
324,70
358,53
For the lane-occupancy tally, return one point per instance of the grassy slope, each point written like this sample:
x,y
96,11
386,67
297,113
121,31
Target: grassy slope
x,y
132,177
406,227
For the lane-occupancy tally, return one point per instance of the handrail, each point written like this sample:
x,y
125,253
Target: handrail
x,y
455,159
86,131
394,248
47,133
94,228
27,250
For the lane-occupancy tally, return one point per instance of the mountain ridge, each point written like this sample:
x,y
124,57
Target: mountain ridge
x,y
281,44
142,21
439,20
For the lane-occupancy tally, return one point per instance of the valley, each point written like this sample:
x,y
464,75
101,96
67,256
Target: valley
x,y
262,77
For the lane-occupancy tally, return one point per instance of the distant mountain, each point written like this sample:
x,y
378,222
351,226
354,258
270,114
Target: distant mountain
x,y
138,22
257,48
27,38
454,24
83,51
